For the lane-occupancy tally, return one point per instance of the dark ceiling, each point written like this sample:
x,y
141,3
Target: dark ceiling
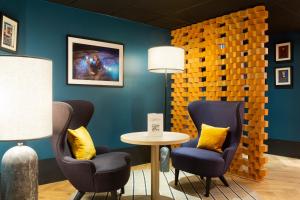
x,y
284,15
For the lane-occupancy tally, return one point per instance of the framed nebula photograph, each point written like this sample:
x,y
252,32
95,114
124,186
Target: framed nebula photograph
x,y
9,34
284,77
283,52
95,62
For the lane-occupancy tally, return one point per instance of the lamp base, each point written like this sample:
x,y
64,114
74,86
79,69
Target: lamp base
x,y
19,174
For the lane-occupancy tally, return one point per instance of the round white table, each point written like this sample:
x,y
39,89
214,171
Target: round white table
x,y
142,138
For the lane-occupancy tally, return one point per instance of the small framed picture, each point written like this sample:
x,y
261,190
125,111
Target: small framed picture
x,y
283,52
9,34
95,62
284,77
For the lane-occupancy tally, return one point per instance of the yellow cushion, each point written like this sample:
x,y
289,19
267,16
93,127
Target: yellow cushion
x,y
81,144
212,138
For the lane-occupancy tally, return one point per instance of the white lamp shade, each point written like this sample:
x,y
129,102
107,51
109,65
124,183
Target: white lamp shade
x,y
166,59
26,98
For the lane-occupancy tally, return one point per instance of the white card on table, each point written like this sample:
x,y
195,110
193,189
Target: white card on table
x,y
155,124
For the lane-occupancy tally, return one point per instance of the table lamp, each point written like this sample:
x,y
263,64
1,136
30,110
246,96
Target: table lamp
x,y
165,60
26,114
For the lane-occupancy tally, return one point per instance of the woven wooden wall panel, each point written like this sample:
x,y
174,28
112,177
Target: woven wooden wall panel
x,y
225,60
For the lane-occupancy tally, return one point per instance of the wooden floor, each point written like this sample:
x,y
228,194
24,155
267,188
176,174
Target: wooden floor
x,y
281,183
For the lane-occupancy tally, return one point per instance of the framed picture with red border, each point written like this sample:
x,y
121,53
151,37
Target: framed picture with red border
x,y
283,52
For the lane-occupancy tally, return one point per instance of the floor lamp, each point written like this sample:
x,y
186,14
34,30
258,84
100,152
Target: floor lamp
x,y
26,114
166,60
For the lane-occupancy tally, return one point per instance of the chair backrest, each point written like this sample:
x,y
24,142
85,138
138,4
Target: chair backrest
x,y
62,113
72,114
82,113
220,114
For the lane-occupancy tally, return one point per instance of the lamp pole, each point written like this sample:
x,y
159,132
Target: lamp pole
x,y
166,96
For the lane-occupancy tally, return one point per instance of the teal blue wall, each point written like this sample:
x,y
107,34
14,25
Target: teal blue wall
x,y
44,27
15,9
284,107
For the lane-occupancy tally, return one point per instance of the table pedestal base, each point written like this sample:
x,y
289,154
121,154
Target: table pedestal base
x,y
155,172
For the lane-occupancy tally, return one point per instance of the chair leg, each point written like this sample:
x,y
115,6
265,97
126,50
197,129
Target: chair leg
x,y
114,195
122,190
93,196
224,181
207,187
78,195
176,176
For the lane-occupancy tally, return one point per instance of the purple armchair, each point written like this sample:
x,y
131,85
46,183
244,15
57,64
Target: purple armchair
x,y
203,162
107,172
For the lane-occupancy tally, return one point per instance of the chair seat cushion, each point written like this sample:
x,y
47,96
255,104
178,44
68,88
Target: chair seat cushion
x,y
111,161
113,169
198,161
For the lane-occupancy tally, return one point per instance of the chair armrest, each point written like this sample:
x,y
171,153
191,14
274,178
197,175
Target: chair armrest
x,y
79,172
228,155
192,143
102,149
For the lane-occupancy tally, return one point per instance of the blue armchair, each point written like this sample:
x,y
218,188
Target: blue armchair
x,y
206,163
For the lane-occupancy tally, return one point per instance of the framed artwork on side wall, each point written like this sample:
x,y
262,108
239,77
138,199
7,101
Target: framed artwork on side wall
x,y
283,51
9,34
284,77
95,62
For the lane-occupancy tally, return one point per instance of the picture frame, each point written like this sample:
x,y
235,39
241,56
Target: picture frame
x,y
284,77
283,52
94,62
9,33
